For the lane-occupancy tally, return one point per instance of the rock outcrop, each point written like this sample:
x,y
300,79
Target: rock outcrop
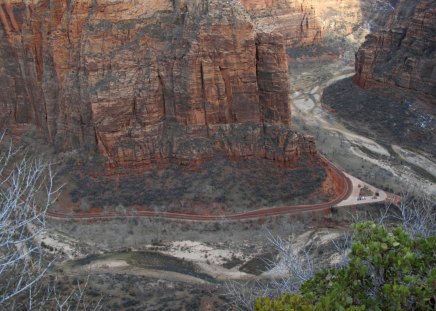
x,y
403,53
148,81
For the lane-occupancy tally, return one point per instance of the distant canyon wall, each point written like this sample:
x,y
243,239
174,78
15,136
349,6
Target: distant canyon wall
x,y
320,29
143,82
403,53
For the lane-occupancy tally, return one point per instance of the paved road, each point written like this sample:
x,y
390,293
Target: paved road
x,y
255,214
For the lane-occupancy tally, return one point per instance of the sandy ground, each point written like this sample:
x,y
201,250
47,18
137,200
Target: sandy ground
x,y
200,252
209,259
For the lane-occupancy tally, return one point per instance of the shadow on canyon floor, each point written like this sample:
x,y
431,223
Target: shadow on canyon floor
x,y
385,115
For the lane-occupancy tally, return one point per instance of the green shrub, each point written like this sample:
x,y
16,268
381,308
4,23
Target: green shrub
x,y
386,271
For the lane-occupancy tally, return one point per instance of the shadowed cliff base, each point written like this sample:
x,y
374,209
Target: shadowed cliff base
x,y
390,116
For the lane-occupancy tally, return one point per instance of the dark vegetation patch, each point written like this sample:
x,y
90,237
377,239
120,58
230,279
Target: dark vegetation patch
x,y
232,262
139,293
216,186
148,260
259,264
386,115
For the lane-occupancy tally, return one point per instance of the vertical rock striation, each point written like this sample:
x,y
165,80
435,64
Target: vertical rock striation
x,y
148,81
296,20
403,53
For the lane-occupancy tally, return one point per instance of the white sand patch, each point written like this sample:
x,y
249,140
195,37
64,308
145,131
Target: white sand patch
x,y
57,243
304,105
209,259
376,148
314,90
221,273
199,252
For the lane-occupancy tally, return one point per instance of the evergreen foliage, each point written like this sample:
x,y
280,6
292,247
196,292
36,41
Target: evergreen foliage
x,y
386,271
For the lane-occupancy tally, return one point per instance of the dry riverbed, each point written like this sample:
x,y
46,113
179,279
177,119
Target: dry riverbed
x,y
385,166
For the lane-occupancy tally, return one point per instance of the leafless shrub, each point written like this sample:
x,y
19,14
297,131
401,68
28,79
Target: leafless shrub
x,y
242,295
294,267
75,299
27,190
416,215
343,246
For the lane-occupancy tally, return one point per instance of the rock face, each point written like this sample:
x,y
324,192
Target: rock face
x,y
294,20
148,81
320,29
403,54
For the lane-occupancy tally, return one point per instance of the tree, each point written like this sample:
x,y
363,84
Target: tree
x,y
386,271
27,190
296,267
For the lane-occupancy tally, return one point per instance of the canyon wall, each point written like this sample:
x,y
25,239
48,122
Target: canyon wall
x,y
320,29
403,53
143,82
294,20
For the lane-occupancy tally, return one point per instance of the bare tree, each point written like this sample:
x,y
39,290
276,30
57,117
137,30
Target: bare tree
x,y
243,295
416,215
294,267
27,190
57,299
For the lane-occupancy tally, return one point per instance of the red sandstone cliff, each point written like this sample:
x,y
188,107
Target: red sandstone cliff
x,y
403,54
296,20
147,81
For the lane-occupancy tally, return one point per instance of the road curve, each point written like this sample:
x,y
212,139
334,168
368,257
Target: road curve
x,y
254,214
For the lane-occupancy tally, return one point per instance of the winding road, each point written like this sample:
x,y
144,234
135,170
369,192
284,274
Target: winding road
x,y
254,214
